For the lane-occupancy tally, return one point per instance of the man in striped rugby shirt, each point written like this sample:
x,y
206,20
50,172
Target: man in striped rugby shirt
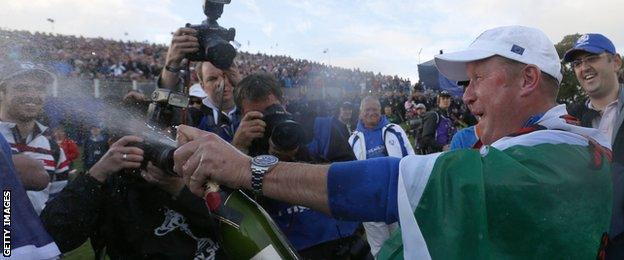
x,y
22,95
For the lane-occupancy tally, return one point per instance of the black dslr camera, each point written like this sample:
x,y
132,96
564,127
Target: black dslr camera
x,y
281,129
214,40
160,154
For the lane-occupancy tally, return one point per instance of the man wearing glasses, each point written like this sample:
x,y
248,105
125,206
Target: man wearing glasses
x,y
596,65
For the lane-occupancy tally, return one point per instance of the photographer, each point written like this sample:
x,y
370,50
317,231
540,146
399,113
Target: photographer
x,y
312,233
134,214
218,112
438,127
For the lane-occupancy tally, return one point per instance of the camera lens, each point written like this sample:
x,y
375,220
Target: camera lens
x,y
221,55
287,135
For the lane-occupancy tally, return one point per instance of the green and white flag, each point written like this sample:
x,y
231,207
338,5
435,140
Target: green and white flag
x,y
542,195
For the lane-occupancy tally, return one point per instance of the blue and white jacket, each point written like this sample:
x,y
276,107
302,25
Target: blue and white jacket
x,y
396,142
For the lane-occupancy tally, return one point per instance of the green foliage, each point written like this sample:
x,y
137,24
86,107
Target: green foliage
x,y
569,91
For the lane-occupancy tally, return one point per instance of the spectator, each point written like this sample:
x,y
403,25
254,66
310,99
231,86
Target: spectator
x,y
68,145
23,94
95,147
196,95
438,128
346,116
117,69
376,137
415,124
391,116
596,65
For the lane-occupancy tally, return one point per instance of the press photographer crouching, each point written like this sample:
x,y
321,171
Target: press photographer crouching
x,y
131,213
267,128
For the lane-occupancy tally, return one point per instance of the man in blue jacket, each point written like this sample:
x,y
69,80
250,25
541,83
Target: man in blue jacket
x,y
376,137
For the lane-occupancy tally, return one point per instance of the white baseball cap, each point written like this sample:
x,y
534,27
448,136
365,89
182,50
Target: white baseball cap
x,y
197,91
523,44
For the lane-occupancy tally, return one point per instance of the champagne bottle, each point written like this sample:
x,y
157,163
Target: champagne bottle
x,y
247,230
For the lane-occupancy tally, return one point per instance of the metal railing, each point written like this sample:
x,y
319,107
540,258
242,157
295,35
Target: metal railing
x,y
100,88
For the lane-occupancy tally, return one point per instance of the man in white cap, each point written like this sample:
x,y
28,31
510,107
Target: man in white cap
x,y
537,188
196,95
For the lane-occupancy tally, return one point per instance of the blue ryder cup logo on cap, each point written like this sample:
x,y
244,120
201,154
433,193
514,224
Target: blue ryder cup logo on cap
x,y
517,49
582,40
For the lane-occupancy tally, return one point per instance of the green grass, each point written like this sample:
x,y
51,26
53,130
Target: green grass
x,y
83,252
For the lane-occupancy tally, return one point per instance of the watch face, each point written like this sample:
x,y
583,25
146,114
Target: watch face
x,y
264,160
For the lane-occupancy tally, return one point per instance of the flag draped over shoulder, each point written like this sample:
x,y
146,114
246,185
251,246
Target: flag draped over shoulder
x,y
544,195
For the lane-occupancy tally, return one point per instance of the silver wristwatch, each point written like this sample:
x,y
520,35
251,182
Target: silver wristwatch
x,y
260,165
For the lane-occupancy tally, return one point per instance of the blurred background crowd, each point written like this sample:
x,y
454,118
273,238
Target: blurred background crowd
x,y
80,60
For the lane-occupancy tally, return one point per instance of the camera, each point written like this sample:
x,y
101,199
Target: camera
x,y
160,154
214,40
165,105
281,129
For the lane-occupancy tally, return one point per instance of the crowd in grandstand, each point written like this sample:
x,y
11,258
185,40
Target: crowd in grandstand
x,y
79,56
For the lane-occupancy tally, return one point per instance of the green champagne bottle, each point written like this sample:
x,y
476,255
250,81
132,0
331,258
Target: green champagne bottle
x,y
247,230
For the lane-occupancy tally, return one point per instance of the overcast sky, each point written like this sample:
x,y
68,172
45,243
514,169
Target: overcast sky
x,y
385,36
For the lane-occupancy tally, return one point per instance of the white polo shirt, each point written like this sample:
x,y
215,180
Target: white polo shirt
x,y
606,121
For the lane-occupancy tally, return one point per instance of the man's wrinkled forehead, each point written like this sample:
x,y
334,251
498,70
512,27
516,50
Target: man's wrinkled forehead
x,y
485,65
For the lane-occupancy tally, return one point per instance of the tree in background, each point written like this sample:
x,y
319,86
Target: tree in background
x,y
569,91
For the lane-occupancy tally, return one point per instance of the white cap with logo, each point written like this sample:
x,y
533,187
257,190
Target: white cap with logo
x,y
197,91
523,44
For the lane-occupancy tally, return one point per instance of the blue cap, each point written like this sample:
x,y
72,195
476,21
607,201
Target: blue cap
x,y
593,43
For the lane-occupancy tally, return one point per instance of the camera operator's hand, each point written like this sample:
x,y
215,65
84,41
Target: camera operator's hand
x,y
118,157
250,128
206,157
135,96
184,42
171,184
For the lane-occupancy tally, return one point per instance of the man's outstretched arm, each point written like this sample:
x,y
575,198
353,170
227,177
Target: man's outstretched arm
x,y
358,190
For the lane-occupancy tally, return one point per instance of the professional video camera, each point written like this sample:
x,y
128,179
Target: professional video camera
x,y
214,40
281,129
165,105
